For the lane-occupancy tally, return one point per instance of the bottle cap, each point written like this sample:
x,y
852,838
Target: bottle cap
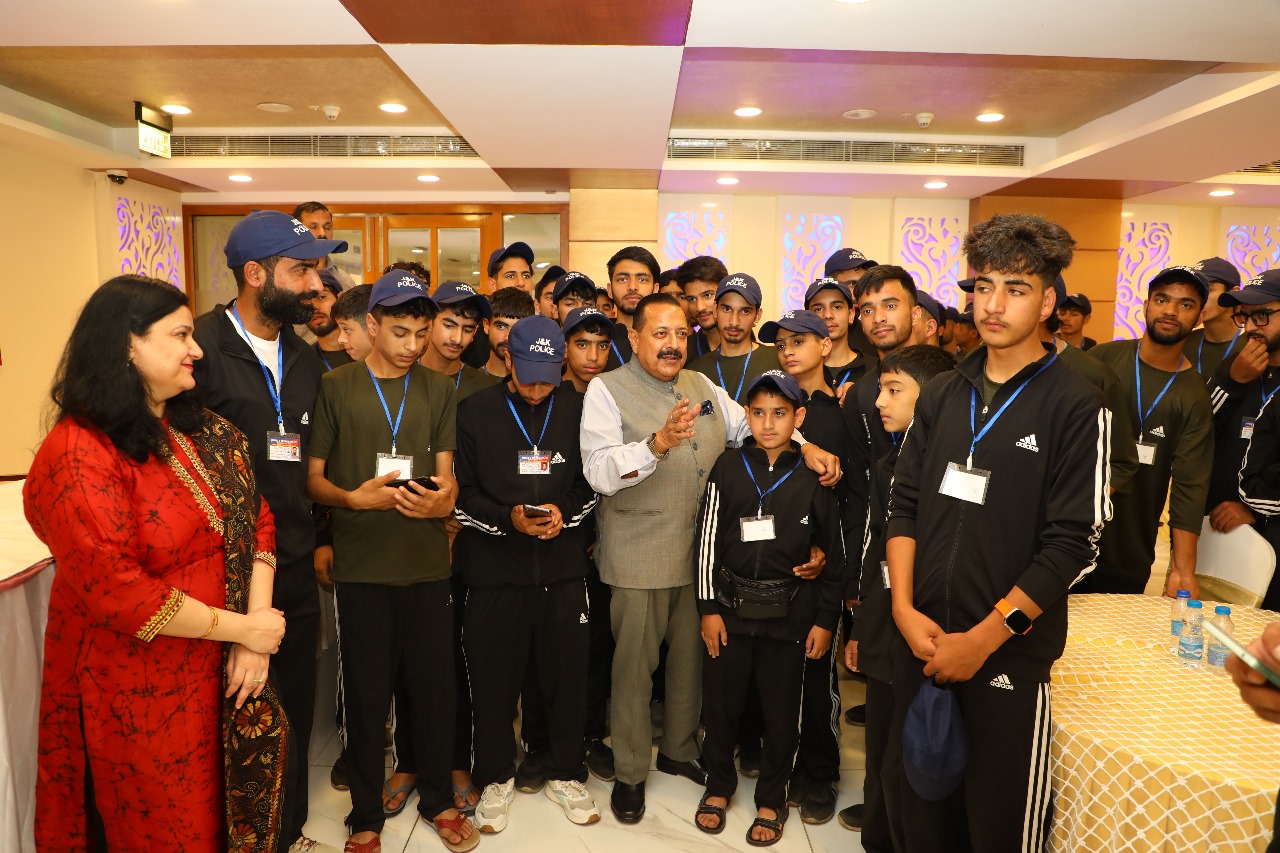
x,y
1222,609
1184,593
1194,604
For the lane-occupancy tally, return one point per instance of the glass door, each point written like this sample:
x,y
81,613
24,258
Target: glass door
x,y
451,247
357,261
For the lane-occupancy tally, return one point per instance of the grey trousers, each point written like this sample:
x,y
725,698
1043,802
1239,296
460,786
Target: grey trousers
x,y
642,619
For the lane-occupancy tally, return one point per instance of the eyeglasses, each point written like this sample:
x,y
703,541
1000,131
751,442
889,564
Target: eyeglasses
x,y
1259,318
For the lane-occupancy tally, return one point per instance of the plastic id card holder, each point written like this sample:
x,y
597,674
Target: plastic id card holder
x,y
1246,428
388,462
533,462
284,447
884,570
965,484
1146,453
756,528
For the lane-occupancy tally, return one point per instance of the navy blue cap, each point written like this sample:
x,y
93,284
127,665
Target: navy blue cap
x,y
1059,291
536,346
1261,289
828,284
396,288
935,745
953,314
515,250
846,259
930,305
454,292
267,233
1078,301
1220,269
552,273
330,281
568,280
580,315
786,386
966,284
1186,275
741,283
794,321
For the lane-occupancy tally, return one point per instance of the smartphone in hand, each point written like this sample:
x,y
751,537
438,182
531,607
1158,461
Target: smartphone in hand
x,y
426,483
532,511
1242,653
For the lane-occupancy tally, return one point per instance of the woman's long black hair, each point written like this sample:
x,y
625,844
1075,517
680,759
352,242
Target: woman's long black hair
x,y
96,385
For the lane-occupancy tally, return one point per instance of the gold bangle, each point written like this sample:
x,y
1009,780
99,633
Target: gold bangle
x,y
213,623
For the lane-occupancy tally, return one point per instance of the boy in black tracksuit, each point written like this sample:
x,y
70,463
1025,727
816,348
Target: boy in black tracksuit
x,y
998,499
525,574
762,494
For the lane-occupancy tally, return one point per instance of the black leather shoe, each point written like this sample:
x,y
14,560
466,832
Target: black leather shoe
x,y
819,804
338,776
600,760
851,817
531,775
856,716
627,802
693,770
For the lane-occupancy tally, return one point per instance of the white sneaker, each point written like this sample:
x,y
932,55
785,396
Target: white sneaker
x,y
495,802
578,804
310,845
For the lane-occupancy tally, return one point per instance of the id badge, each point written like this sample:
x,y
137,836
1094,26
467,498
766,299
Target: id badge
x,y
388,462
533,462
284,447
965,484
756,528
1146,453
1246,428
884,570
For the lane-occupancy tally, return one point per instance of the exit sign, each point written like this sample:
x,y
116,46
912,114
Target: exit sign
x,y
153,140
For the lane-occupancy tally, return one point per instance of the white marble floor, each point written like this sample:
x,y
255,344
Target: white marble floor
x,y
538,826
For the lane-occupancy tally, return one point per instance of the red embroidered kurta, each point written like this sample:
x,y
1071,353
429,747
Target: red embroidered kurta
x,y
130,540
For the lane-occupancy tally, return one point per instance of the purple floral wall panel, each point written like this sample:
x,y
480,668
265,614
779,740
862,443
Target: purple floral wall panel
x,y
1253,248
808,239
1144,251
150,240
689,234
929,249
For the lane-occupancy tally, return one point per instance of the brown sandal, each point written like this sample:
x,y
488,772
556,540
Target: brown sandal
x,y
455,824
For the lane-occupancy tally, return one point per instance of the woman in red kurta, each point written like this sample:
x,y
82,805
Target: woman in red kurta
x,y
165,558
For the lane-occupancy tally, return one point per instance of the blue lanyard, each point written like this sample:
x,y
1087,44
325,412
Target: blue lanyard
x,y
320,352
272,388
698,340
763,494
845,378
991,421
1137,376
1266,395
896,436
621,361
741,381
457,379
525,432
1200,349
395,427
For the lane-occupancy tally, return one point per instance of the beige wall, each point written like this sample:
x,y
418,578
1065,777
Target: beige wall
x,y
603,221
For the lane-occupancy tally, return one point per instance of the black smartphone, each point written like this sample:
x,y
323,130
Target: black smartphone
x,y
426,483
536,511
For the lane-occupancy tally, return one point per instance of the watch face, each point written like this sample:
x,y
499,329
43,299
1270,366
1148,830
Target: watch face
x,y
1018,622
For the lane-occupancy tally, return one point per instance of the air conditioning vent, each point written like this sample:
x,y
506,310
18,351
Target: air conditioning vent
x,y
320,146
844,151
1272,168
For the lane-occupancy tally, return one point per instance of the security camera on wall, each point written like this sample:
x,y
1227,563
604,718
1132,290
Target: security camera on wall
x,y
117,176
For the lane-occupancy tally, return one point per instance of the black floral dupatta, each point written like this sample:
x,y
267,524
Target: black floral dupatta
x,y
255,738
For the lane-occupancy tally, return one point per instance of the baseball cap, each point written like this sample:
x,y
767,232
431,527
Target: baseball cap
x,y
330,281
966,284
536,346
740,282
396,288
268,233
794,321
568,280
786,386
1059,290
1077,300
454,292
1187,275
515,250
1220,269
553,272
578,316
953,314
929,304
845,259
1261,289
935,745
828,284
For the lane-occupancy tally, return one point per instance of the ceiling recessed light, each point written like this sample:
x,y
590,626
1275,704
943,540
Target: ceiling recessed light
x,y
239,179
475,272
1221,193
1126,213
852,2
417,250
393,108
747,112
428,179
543,265
176,109
710,204
859,114
990,117
728,182
935,185
274,107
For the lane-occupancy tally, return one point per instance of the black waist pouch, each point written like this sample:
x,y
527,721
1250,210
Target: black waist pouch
x,y
753,599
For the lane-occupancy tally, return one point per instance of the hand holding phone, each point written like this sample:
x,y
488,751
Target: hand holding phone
x,y
536,511
1241,652
426,483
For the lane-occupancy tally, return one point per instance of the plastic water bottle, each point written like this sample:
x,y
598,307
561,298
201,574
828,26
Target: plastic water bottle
x,y
1191,642
1179,608
1216,654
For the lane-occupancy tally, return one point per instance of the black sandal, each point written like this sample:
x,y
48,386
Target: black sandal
x,y
774,826
714,811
